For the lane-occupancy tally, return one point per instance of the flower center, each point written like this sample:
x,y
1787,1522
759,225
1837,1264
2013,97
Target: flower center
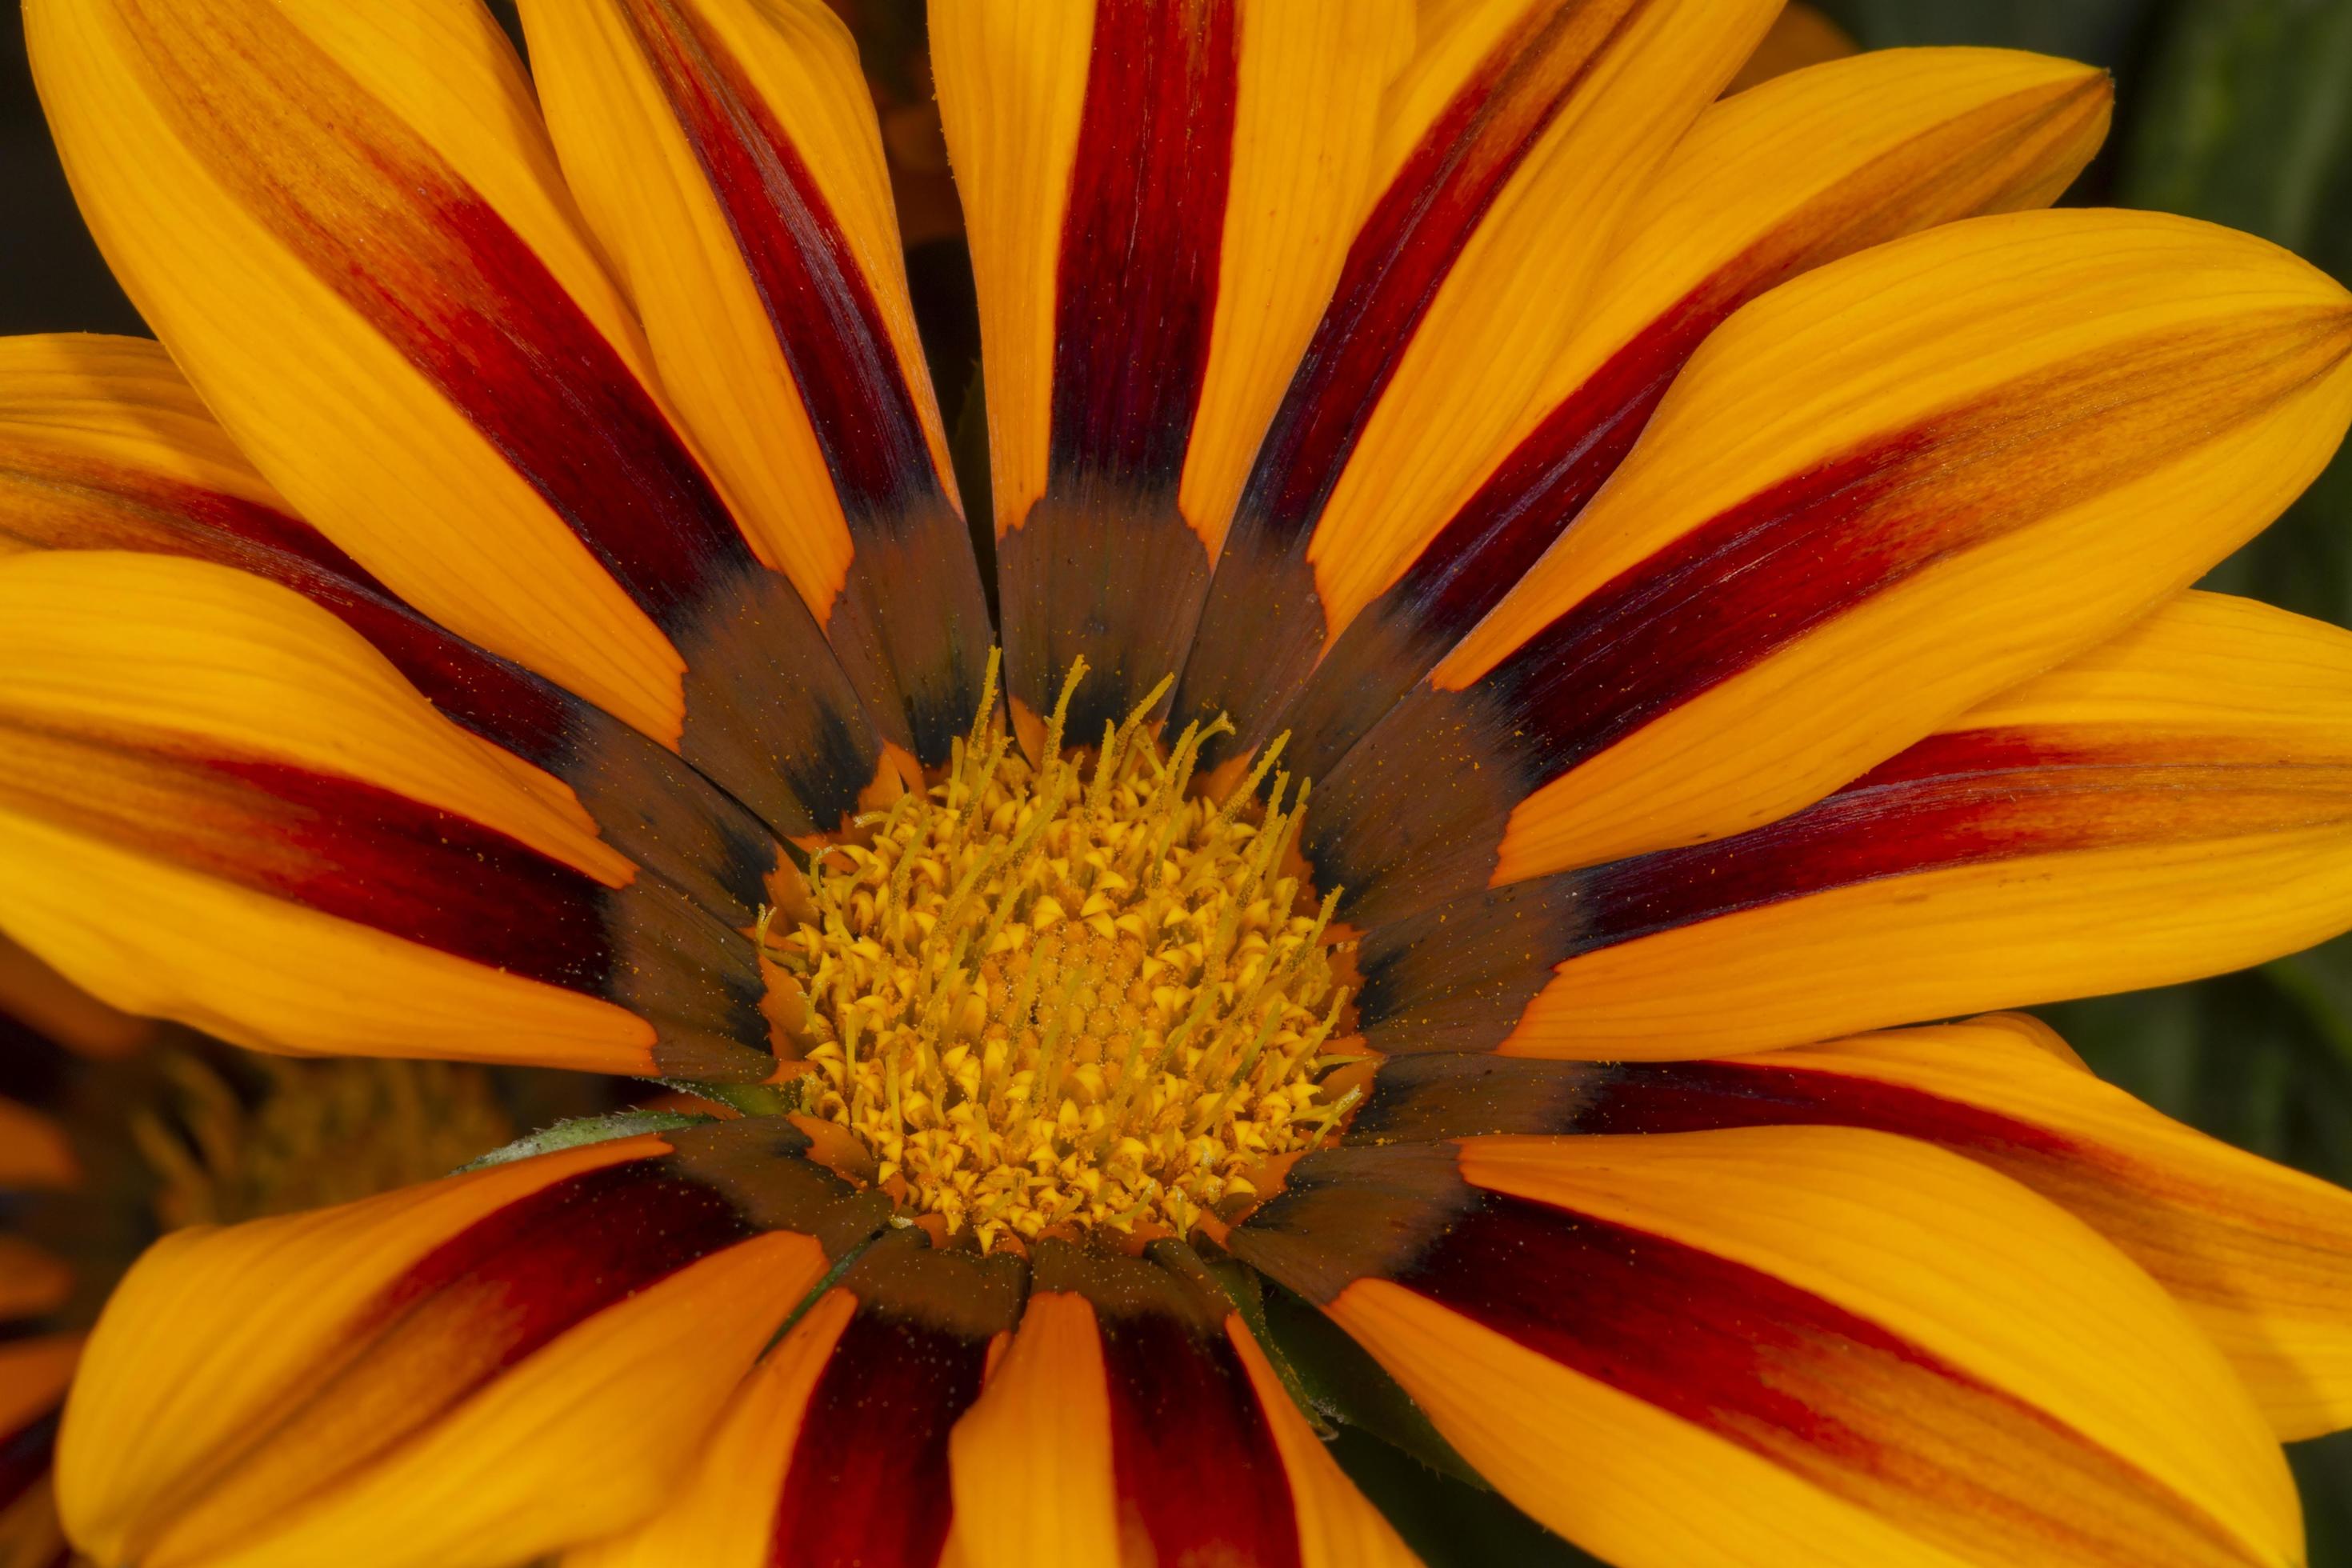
x,y
1072,994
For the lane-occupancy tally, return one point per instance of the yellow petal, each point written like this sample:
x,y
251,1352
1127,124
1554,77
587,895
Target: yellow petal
x,y
2174,804
1516,139
726,155
467,1372
1777,1344
1778,182
725,1514
1882,492
1147,279
1040,1434
347,225
838,1450
2260,1256
217,803
1337,1528
1800,36
104,446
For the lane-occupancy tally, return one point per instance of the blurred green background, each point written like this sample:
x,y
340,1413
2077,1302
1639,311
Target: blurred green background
x,y
2235,111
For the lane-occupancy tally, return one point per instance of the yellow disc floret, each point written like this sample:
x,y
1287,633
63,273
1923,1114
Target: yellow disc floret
x,y
1072,993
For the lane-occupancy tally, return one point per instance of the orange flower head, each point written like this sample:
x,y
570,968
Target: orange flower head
x,y
1723,563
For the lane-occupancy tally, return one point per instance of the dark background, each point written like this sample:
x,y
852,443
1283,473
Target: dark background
x,y
2235,111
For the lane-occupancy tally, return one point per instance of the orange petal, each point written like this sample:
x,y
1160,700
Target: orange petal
x,y
726,155
217,803
104,446
1133,1419
2172,804
348,227
1161,198
2260,1256
838,1448
467,1372
1880,493
1816,168
1772,1344
1516,138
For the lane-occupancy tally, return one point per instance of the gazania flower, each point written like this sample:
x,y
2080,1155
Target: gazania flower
x,y
1543,618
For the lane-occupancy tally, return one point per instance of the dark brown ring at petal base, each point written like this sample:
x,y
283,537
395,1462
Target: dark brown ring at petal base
x,y
1104,567
1264,624
910,623
867,1480
1352,1213
1199,1476
1971,164
461,296
1760,576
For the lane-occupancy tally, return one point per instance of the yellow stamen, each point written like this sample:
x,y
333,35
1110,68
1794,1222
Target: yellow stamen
x,y
1061,994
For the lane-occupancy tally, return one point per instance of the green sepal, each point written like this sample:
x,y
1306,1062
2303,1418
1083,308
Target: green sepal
x,y
585,1130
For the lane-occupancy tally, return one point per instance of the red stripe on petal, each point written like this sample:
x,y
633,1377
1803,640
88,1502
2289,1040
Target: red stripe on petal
x,y
1960,799
1973,164
868,1482
1731,592
1104,567
916,624
459,293
825,317
1406,246
1261,595
1861,1413
1195,1461
1142,239
448,283
345,849
477,1304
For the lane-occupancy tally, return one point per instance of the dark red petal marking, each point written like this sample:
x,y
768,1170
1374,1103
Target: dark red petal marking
x,y
1458,976
664,816
1802,1382
1439,1096
1751,581
868,1479
2163,1220
1194,1457
1974,163
1199,1475
1264,626
477,1304
911,623
362,853
466,301
1104,565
